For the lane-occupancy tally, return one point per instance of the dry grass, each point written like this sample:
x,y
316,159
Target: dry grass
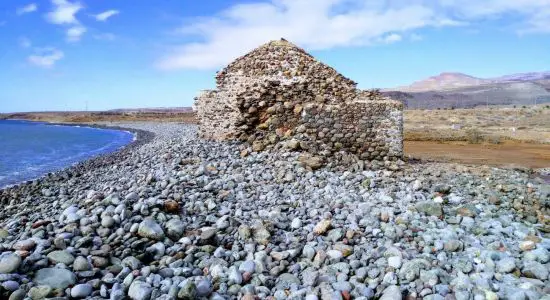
x,y
489,125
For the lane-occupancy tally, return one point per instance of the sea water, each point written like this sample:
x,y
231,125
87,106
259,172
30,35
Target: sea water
x,y
29,150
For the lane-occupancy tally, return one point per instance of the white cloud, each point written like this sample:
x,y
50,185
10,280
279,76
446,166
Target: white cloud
x,y
531,15
102,17
24,42
75,33
105,37
45,57
64,12
326,24
392,38
29,8
540,23
312,24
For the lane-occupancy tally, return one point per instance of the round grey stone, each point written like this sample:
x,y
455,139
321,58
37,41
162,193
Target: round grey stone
x,y
61,256
81,264
55,278
394,262
10,285
392,292
9,262
506,265
174,229
204,288
81,290
39,292
148,228
107,222
140,290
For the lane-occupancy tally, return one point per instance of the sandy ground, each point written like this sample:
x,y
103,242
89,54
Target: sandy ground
x,y
508,154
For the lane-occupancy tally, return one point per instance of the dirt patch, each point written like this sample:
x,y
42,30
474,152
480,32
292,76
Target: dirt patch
x,y
507,154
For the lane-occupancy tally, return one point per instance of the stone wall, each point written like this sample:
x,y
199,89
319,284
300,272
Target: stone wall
x,y
280,95
372,130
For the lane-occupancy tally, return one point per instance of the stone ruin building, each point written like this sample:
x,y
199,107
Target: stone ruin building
x,y
280,95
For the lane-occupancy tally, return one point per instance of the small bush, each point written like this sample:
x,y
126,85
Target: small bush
x,y
473,136
494,140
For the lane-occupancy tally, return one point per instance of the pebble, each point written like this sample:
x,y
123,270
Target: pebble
x,y
506,265
188,291
534,269
322,227
527,245
26,245
394,262
182,218
140,290
81,290
39,292
9,262
148,228
55,278
204,288
10,285
247,267
452,245
61,256
296,223
392,292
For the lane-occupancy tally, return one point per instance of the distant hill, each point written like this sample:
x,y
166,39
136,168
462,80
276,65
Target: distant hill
x,y
153,110
443,81
458,90
532,76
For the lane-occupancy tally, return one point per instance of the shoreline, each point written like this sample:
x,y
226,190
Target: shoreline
x,y
140,137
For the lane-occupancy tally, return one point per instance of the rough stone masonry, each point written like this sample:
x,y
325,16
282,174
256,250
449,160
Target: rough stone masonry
x,y
280,95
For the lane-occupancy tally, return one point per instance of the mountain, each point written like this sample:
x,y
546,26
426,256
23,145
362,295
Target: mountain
x,y
453,80
531,76
443,81
458,90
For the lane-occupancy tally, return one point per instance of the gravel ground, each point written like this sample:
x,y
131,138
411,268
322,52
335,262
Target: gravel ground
x,y
174,217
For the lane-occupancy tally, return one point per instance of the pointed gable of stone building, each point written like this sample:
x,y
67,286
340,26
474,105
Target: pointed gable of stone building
x,y
282,60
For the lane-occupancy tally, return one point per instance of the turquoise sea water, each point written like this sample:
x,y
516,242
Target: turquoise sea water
x,y
31,149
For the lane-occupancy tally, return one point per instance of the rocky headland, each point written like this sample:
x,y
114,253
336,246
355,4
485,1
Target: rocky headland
x,y
176,217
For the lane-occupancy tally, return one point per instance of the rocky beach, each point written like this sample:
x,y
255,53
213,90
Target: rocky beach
x,y
176,217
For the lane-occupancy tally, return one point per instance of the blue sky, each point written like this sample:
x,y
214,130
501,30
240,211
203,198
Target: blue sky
x,y
62,54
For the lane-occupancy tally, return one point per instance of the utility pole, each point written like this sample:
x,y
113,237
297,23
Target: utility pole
x,y
86,106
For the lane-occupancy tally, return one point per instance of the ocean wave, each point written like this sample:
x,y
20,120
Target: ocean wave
x,y
59,157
